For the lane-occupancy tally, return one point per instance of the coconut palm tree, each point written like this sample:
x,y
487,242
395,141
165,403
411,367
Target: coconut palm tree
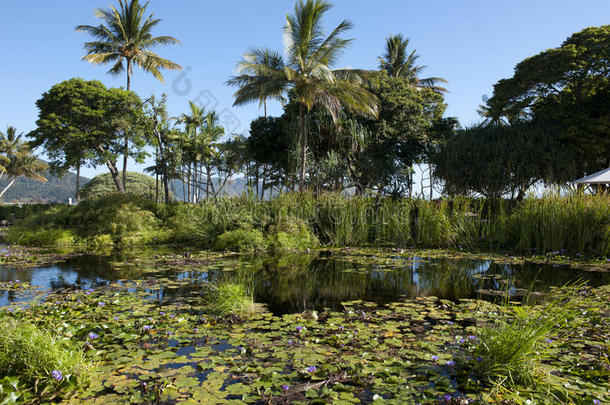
x,y
125,39
17,159
397,62
306,73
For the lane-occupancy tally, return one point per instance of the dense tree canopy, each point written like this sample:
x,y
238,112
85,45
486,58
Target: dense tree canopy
x,y
566,89
496,161
84,123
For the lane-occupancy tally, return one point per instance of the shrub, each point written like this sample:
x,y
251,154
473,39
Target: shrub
x,y
291,234
229,299
137,184
40,360
241,240
41,237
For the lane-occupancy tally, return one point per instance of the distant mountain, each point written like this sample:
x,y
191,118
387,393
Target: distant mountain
x,y
54,190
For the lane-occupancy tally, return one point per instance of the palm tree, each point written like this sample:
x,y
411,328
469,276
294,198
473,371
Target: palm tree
x,y
306,73
398,63
125,39
17,159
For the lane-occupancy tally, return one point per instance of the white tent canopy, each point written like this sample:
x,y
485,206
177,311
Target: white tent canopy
x,y
602,177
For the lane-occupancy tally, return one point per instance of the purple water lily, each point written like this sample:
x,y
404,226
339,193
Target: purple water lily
x,y
93,335
285,387
312,369
57,375
447,397
480,359
434,358
450,363
101,304
299,328
472,337
147,327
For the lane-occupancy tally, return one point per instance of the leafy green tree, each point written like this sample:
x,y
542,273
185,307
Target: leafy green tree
x,y
398,62
18,160
83,121
307,73
400,136
496,161
125,39
567,90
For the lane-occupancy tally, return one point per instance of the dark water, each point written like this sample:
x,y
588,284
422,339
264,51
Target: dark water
x,y
294,283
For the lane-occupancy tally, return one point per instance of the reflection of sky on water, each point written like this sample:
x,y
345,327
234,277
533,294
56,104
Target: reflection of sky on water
x,y
297,282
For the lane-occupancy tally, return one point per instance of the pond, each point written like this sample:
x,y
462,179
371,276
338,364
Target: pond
x,y
292,283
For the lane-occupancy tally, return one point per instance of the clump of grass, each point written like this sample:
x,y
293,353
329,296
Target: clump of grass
x,y
241,240
229,299
510,351
41,361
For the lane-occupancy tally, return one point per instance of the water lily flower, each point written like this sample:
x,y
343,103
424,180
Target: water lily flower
x,y
101,304
169,333
596,402
147,327
93,335
434,358
312,369
479,359
285,387
299,328
549,341
472,337
447,397
290,342
57,375
461,340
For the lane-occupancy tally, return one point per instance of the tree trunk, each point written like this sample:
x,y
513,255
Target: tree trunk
x,y
76,197
264,183
7,187
126,143
303,148
157,174
114,171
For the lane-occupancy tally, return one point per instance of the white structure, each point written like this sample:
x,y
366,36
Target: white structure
x,y
602,177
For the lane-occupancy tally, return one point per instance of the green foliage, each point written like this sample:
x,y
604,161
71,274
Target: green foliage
x,y
137,184
241,240
575,223
499,160
567,90
84,123
32,355
41,237
512,349
291,234
229,299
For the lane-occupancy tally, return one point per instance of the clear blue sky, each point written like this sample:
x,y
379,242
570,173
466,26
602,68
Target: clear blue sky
x,y
471,43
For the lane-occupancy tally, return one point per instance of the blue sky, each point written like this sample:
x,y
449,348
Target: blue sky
x,y
471,43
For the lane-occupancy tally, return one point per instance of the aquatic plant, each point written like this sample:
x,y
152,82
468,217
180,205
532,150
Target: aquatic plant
x,y
229,299
511,350
39,359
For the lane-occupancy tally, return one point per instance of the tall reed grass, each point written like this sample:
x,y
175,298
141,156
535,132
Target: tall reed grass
x,y
574,223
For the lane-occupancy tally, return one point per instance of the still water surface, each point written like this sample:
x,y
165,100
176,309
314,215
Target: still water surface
x,y
296,282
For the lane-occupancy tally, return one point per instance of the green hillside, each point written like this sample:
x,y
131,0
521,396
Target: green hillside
x,y
54,190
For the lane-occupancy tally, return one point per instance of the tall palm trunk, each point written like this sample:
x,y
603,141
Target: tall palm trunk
x,y
303,148
126,141
7,187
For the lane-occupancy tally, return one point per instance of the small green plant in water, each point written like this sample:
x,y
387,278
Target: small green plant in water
x,y
229,299
510,351
39,361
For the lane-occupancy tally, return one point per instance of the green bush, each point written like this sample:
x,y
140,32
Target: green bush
x,y
241,240
137,184
291,234
41,237
40,360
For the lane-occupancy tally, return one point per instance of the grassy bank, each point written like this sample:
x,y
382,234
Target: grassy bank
x,y
575,224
